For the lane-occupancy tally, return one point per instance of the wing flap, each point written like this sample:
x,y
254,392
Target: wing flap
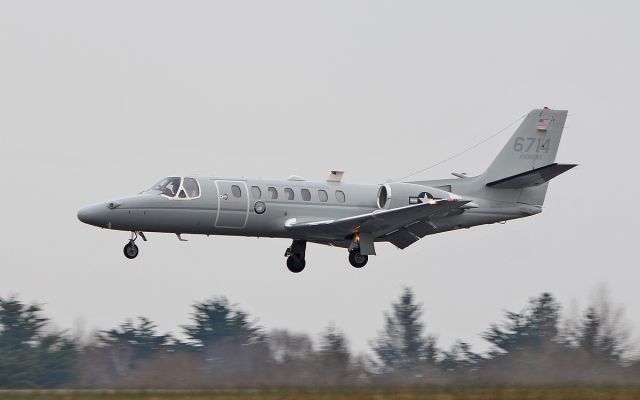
x,y
403,238
377,223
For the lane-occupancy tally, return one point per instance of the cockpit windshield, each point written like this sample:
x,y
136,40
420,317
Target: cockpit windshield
x,y
176,187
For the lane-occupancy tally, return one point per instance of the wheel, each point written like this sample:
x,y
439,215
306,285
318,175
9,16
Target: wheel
x,y
295,265
356,259
131,250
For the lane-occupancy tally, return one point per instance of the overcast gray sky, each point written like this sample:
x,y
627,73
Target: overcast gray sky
x,y
100,99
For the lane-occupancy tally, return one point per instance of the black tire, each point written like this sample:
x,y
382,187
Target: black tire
x,y
130,250
295,265
357,260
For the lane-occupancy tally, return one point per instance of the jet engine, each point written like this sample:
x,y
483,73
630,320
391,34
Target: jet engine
x,y
394,195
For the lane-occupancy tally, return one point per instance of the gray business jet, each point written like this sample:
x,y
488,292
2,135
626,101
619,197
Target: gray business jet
x,y
335,213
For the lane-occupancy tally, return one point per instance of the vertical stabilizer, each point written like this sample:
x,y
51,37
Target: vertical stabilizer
x,y
522,170
534,144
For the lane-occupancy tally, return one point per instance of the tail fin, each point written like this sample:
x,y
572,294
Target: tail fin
x,y
534,145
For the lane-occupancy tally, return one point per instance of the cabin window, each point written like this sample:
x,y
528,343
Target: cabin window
x,y
340,196
190,185
306,194
256,192
272,193
323,196
235,190
288,193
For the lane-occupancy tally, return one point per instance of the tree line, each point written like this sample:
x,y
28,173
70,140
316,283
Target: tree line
x,y
222,347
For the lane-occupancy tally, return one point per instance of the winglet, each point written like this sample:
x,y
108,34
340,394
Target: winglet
x,y
335,176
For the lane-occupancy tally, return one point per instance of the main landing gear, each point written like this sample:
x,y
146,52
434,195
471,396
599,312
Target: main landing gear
x,y
295,256
130,249
296,262
356,259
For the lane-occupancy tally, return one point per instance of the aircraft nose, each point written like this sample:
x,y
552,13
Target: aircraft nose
x,y
92,215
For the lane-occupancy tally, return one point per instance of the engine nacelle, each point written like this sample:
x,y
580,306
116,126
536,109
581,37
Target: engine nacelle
x,y
394,195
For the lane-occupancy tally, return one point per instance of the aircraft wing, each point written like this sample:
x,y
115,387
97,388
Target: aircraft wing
x,y
377,223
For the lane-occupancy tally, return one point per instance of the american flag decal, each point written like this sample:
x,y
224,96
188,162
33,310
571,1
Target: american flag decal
x,y
543,124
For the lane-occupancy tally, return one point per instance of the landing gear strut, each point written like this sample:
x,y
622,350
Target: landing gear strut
x,y
295,256
356,259
130,249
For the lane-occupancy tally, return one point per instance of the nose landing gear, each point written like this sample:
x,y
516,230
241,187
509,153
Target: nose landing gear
x,y
130,249
295,256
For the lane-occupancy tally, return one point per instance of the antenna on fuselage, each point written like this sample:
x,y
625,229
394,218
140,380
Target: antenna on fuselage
x,y
483,141
335,176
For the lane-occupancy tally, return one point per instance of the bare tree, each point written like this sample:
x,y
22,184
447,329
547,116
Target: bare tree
x,y
605,331
286,346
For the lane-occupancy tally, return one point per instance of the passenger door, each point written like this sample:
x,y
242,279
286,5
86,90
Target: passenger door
x,y
233,204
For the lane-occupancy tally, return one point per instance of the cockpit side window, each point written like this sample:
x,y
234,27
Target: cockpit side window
x,y
168,186
191,187
176,188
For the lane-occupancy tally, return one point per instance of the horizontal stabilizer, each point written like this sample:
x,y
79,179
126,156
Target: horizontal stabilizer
x,y
535,177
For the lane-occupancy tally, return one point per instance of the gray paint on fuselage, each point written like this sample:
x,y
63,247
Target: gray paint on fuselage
x,y
156,213
217,210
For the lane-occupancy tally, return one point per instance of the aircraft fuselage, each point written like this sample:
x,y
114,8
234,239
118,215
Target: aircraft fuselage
x,y
354,216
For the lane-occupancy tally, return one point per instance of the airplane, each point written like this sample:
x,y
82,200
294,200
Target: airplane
x,y
348,215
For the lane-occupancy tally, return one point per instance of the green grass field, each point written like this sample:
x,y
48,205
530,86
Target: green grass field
x,y
431,393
